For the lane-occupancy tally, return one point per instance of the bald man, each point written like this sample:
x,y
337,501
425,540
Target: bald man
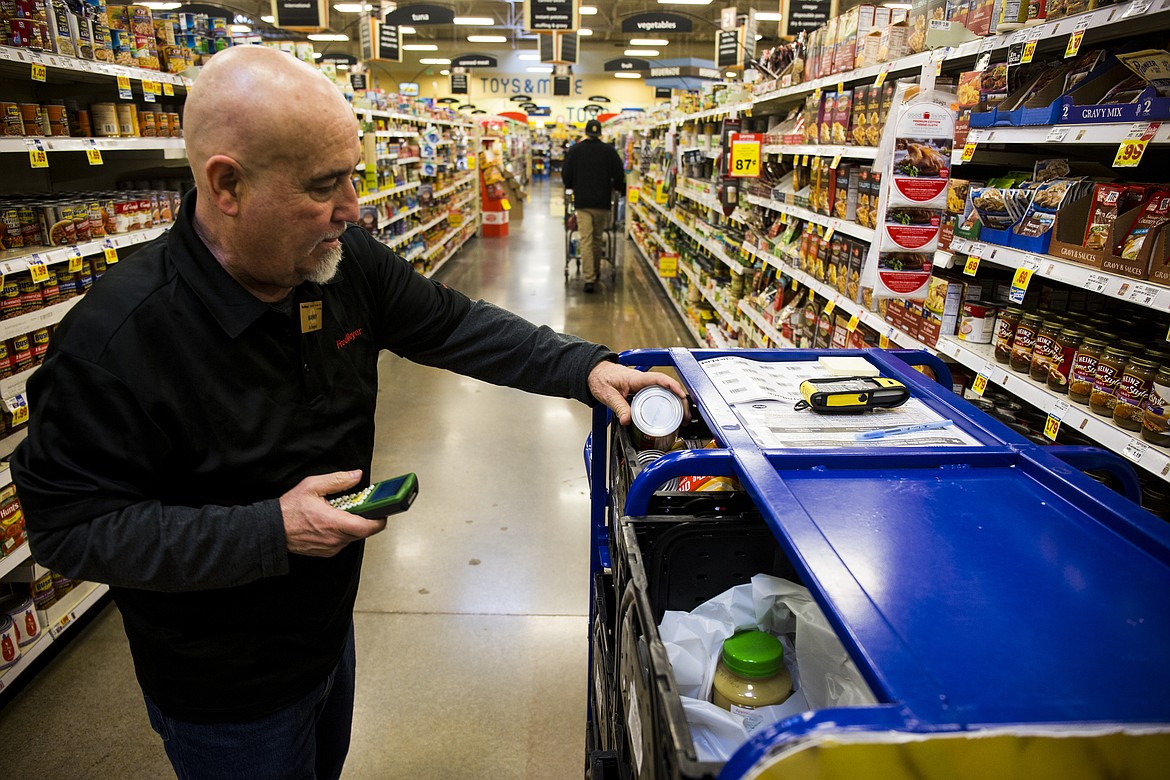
x,y
198,405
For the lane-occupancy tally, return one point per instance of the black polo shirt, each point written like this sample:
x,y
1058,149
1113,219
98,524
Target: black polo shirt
x,y
172,410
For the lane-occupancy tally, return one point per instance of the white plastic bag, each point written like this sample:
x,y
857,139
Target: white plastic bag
x,y
823,675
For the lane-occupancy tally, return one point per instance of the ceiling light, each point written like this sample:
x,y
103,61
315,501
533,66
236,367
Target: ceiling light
x,y
475,21
239,28
768,16
317,55
529,57
352,8
898,6
621,75
434,61
649,42
641,52
444,72
268,19
487,38
539,69
342,66
587,10
162,6
684,2
584,31
420,47
327,37
406,31
729,74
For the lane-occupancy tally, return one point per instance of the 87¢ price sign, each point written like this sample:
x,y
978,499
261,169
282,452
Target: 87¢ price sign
x,y
744,160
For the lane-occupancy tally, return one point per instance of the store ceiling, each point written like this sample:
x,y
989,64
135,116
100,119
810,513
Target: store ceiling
x,y
606,40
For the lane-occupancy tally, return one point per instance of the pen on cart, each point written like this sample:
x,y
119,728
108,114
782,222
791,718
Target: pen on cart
x,y
882,433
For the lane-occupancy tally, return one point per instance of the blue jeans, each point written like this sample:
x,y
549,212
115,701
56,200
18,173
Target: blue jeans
x,y
307,740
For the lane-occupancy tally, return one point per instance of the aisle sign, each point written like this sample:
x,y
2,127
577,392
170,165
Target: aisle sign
x,y
745,155
1133,147
668,265
39,73
124,91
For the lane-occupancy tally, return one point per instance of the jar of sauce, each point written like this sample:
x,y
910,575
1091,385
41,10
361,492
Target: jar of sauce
x,y
750,673
1005,332
1045,349
1136,380
1024,340
1084,368
1058,375
1156,410
1109,367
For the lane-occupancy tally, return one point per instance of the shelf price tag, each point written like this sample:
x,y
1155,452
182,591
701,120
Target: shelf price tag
x,y
124,90
149,90
882,73
745,155
1138,8
1134,451
884,340
1028,53
92,153
471,162
18,408
854,321
168,89
971,267
979,385
1096,282
829,233
968,151
1052,424
38,270
1129,154
75,263
830,306
632,195
835,162
984,58
1056,134
110,252
668,265
39,72
37,158
1021,279
1074,40
1143,295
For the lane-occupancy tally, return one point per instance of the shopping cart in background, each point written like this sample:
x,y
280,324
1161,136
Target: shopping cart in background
x,y
611,247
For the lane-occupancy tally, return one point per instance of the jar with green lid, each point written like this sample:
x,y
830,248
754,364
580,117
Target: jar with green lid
x,y
750,673
1156,410
1067,342
1109,367
1084,368
1024,340
1136,380
1005,332
1045,349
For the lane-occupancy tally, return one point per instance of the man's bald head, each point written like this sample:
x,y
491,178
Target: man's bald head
x,y
253,104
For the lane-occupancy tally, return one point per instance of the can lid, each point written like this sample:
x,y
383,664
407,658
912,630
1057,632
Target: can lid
x,y
753,654
656,411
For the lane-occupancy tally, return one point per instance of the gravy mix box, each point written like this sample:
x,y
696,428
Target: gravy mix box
x,y
828,110
873,115
857,134
845,50
842,114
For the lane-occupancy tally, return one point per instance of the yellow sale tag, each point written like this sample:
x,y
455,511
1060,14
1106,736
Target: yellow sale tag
x,y
881,76
968,151
745,158
471,162
94,155
804,160
20,415
972,266
820,230
853,323
1074,43
1022,277
37,158
1029,52
505,205
883,342
840,87
38,271
1051,428
75,264
39,72
836,161
667,265
632,195
111,255
979,385
168,89
124,91
1129,154
830,306
829,233
660,195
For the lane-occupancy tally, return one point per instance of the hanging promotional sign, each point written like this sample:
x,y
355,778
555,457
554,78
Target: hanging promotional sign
x,y
475,61
412,15
308,15
389,42
562,86
558,48
626,64
804,16
367,33
550,15
656,23
728,53
358,82
458,83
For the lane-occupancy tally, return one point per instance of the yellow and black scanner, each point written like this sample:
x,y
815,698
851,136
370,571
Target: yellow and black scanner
x,y
851,394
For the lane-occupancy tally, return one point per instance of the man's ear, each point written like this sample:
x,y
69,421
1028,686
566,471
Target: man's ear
x,y
224,183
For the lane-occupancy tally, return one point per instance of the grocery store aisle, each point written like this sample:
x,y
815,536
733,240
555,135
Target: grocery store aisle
x,y
471,621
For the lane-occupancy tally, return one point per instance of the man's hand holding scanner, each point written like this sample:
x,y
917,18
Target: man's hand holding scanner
x,y
312,526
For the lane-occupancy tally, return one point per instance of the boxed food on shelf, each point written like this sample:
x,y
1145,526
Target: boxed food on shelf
x,y
842,114
922,13
1091,230
11,520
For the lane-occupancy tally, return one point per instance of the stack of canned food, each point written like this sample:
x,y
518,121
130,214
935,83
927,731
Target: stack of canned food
x,y
1112,364
66,119
65,219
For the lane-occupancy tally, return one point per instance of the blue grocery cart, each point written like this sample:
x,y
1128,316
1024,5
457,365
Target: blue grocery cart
x,y
1009,613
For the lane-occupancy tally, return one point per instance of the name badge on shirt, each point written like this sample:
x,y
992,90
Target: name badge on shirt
x,y
310,316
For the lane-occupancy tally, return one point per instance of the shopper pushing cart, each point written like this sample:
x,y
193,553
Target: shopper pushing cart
x,y
594,172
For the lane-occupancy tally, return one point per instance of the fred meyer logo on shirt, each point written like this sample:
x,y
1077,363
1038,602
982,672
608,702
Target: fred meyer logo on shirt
x,y
345,340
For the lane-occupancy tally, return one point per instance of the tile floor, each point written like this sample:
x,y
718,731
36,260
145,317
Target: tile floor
x,y
472,618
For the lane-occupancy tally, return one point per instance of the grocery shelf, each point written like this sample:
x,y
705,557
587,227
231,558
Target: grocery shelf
x,y
59,144
16,260
769,330
395,133
63,615
451,188
19,555
387,221
14,385
842,226
9,442
1105,134
374,197
980,358
653,269
41,318
714,249
425,120
698,191
76,66
846,151
1135,291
